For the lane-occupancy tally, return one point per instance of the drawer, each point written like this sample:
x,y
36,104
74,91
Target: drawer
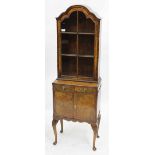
x,y
64,88
85,89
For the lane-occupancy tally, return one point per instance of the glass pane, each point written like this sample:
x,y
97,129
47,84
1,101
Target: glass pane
x,y
69,44
85,25
70,24
69,65
86,44
85,66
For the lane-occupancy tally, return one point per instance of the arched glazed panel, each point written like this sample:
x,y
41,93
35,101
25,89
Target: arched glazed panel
x,y
85,24
70,24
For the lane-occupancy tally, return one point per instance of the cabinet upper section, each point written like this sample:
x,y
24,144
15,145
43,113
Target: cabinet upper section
x,y
78,44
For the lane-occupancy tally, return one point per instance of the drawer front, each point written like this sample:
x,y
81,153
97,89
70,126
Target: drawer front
x,y
85,89
64,88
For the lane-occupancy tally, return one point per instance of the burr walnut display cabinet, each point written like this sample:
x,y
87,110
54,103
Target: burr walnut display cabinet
x,y
76,91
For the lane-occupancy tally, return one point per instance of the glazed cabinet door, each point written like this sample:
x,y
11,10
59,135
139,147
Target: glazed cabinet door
x,y
63,101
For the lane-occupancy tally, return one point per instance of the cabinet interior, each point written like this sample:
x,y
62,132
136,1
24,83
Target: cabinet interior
x,y
77,46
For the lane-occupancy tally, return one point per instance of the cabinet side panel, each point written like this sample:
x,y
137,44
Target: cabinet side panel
x,y
59,64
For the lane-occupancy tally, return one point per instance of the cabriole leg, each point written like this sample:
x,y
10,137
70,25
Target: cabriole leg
x,y
98,124
94,127
54,123
61,121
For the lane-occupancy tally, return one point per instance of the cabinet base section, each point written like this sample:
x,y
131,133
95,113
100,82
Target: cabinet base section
x,y
94,126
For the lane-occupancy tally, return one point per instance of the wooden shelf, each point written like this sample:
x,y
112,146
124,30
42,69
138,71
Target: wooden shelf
x,y
71,76
86,56
80,33
68,32
69,55
86,33
79,55
84,77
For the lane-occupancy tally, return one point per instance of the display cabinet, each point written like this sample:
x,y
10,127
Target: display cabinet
x,y
76,91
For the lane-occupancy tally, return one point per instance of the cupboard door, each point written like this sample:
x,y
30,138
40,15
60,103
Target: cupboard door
x,y
85,106
63,104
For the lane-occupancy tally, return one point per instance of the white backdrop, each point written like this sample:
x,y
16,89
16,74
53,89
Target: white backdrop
x,y
77,138
131,78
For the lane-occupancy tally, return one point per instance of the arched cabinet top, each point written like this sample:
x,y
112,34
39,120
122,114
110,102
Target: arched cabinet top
x,y
79,8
